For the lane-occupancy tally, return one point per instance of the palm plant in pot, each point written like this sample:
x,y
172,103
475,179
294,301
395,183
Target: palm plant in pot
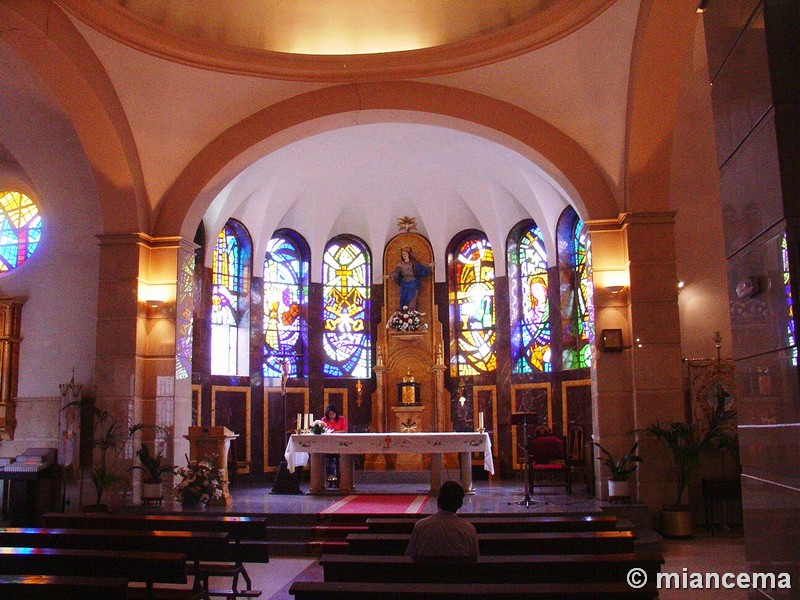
x,y
687,445
154,472
619,470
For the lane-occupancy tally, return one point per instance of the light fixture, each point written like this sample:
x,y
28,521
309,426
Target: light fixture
x,y
681,285
701,8
154,303
614,289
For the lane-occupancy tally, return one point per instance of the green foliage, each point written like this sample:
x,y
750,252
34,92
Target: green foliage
x,y
151,465
687,444
110,437
620,469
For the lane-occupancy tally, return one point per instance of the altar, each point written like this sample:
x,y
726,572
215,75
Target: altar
x,y
303,449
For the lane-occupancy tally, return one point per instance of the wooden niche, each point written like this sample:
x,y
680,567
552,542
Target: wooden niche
x,y
10,327
409,370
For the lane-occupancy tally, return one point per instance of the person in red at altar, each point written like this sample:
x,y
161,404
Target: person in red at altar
x,y
335,423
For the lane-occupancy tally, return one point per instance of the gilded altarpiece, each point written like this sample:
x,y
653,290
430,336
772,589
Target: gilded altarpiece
x,y
409,356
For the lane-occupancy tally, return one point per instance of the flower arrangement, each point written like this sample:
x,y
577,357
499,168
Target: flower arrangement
x,y
319,426
406,320
200,482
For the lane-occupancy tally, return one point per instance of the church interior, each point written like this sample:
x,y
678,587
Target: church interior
x,y
435,216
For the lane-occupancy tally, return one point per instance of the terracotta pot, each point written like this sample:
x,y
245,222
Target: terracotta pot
x,y
619,489
677,522
152,490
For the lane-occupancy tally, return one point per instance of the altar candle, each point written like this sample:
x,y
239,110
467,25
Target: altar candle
x,y
310,420
305,421
299,422
480,420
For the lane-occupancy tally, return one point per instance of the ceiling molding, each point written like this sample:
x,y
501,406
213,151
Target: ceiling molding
x,y
529,34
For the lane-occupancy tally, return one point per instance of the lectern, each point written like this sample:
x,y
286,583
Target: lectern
x,y
212,444
525,420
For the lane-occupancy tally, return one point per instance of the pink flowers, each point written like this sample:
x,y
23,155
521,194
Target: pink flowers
x,y
200,482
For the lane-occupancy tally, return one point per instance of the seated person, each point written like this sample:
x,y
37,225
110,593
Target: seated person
x,y
338,424
444,534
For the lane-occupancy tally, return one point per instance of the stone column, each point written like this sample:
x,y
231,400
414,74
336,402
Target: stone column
x,y
635,291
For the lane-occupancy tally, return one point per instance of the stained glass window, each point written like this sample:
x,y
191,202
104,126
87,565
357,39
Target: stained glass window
x,y
577,308
472,301
285,305
20,229
346,309
530,329
230,283
787,290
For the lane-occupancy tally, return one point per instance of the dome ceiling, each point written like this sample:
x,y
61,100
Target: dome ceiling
x,y
336,40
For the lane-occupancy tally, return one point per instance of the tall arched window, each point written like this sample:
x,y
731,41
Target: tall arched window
x,y
471,284
230,292
20,229
530,306
285,305
577,308
346,309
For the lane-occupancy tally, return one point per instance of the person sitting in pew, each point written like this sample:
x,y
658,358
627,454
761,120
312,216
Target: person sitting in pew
x,y
444,534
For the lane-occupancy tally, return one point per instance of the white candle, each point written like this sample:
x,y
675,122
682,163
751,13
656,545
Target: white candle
x,y
305,421
480,420
299,422
310,419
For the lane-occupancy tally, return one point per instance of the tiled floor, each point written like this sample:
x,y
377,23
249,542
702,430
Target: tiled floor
x,y
700,554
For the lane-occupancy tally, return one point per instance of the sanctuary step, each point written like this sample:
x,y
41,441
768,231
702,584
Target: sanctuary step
x,y
639,519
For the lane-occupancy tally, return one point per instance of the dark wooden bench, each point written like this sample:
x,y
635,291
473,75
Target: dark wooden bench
x,y
577,542
324,590
507,524
146,567
198,546
62,587
247,534
551,568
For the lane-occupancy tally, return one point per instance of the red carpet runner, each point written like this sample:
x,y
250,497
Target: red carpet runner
x,y
377,503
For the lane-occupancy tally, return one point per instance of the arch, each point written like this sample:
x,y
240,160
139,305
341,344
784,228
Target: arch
x,y
79,83
561,158
471,285
529,290
346,307
661,45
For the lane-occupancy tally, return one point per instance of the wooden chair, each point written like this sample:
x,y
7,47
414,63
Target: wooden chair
x,y
548,460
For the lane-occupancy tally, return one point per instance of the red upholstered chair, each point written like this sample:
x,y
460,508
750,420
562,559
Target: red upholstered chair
x,y
549,462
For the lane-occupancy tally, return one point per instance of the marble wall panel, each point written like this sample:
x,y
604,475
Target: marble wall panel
x,y
769,452
771,517
657,367
657,322
724,20
759,312
767,389
653,282
750,187
741,92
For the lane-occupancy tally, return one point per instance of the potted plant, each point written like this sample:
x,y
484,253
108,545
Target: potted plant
x,y
619,485
109,437
687,445
154,471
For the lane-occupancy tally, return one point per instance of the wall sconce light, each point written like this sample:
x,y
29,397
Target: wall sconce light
x,y
681,285
154,303
614,289
701,8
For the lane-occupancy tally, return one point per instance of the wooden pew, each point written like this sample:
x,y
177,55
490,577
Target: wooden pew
x,y
506,524
579,542
146,567
62,587
247,534
324,590
552,568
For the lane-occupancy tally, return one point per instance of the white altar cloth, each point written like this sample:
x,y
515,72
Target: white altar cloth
x,y
302,447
